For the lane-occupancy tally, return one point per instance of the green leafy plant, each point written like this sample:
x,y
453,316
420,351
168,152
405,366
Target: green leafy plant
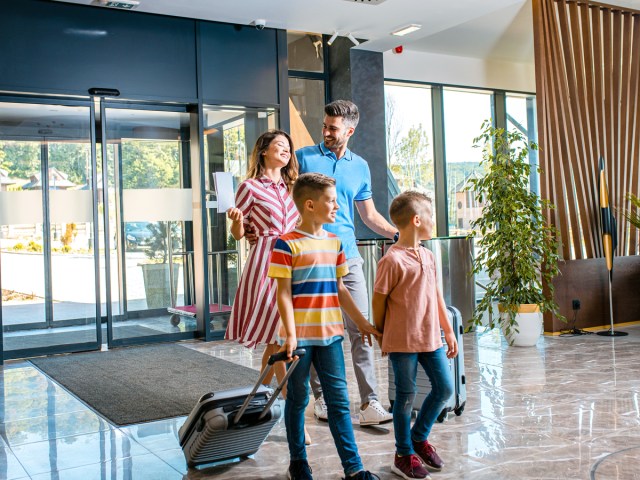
x,y
517,248
632,214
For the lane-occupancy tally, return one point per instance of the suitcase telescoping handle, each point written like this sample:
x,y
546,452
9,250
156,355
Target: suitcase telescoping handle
x,y
276,357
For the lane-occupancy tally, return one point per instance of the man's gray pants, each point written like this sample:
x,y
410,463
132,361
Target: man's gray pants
x,y
361,353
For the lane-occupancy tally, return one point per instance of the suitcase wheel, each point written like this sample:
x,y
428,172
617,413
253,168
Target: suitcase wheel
x,y
458,411
442,416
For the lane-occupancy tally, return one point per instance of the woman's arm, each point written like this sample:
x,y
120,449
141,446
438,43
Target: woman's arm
x,y
237,219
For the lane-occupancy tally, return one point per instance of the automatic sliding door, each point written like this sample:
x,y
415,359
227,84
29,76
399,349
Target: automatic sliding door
x,y
150,212
229,137
47,239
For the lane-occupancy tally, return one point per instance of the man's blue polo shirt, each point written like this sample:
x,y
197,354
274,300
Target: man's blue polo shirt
x,y
353,183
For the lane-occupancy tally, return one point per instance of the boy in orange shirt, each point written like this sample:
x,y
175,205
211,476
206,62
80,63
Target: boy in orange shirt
x,y
409,310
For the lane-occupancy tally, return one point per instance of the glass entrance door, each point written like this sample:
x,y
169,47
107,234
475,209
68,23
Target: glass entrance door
x,y
148,212
48,229
229,136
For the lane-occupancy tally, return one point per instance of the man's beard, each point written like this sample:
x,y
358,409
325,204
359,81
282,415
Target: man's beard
x,y
334,142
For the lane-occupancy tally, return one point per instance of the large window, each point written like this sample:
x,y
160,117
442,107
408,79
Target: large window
x,y
521,116
409,139
430,143
306,97
464,112
307,86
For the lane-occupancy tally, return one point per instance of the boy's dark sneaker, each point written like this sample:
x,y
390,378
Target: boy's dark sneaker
x,y
362,475
409,467
299,470
427,453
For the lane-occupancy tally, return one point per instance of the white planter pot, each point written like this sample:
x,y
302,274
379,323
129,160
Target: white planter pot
x,y
529,320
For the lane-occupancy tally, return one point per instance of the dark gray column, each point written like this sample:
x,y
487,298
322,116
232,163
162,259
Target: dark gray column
x,y
358,75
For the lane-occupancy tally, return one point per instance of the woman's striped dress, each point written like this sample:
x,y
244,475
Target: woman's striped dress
x,y
268,208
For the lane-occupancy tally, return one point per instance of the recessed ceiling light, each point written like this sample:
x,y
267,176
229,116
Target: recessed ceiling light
x,y
406,30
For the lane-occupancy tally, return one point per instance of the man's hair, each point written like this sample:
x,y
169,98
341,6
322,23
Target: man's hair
x,y
406,205
345,109
310,186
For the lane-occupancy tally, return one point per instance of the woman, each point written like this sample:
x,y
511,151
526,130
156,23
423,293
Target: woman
x,y
263,204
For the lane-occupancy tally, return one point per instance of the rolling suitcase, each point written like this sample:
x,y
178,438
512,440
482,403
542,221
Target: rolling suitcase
x,y
458,400
233,423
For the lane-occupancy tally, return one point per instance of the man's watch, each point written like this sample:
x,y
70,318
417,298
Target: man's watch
x,y
396,237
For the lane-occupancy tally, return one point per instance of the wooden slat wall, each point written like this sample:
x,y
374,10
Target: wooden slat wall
x,y
588,87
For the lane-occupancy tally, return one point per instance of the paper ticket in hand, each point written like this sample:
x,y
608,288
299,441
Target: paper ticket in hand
x,y
224,191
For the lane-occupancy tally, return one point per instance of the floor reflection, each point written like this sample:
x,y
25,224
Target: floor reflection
x,y
569,408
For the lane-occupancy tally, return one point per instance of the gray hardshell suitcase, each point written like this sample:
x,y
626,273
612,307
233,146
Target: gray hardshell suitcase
x,y
233,423
458,400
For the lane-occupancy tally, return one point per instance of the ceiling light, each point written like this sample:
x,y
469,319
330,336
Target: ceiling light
x,y
406,30
333,38
353,39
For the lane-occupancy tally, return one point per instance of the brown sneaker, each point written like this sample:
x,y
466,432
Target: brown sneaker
x,y
409,467
427,453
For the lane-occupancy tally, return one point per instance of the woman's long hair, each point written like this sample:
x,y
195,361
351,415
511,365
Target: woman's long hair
x,y
256,165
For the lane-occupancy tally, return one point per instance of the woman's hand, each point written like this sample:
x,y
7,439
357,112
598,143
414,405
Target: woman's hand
x,y
235,215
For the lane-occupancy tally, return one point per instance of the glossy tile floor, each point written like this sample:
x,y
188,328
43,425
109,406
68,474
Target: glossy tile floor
x,y
569,408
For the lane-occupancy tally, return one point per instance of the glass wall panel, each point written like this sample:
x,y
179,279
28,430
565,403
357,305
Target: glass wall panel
x,y
150,213
229,136
47,253
464,112
305,52
306,104
409,139
71,210
521,116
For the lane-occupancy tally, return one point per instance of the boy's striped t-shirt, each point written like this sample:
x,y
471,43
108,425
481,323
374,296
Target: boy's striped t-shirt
x,y
314,264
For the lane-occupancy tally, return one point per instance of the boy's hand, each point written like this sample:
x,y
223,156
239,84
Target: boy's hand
x,y
290,344
379,340
452,345
366,330
235,215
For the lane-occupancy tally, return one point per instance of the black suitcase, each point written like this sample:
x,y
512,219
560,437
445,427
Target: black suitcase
x,y
458,400
233,423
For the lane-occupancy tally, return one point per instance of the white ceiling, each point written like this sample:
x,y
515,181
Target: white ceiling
x,y
489,29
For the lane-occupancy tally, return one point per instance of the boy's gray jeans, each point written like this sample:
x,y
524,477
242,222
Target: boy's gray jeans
x,y
361,353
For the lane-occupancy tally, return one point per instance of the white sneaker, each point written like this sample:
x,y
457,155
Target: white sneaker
x,y
374,414
320,409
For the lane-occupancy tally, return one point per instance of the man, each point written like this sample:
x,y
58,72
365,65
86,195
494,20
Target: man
x,y
353,185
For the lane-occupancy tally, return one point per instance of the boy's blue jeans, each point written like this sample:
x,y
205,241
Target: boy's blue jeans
x,y
329,363
405,367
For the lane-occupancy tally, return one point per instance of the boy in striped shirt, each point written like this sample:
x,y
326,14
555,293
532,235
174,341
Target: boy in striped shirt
x,y
309,264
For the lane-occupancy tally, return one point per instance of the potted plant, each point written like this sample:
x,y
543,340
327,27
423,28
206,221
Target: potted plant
x,y
155,271
517,248
632,215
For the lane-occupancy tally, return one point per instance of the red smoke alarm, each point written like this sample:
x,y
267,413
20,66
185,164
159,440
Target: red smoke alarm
x,y
398,49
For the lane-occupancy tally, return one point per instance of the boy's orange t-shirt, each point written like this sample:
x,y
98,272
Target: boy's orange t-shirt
x,y
408,277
